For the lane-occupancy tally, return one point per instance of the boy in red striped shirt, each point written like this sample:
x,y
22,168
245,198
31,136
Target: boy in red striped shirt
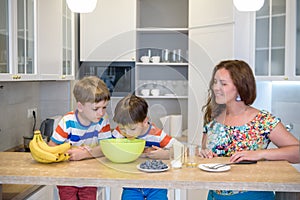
x,y
83,128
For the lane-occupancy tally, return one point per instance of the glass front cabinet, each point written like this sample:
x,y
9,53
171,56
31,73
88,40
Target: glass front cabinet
x,y
68,47
17,39
277,41
4,37
30,49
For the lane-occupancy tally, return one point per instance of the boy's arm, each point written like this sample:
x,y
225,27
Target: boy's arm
x,y
80,153
162,152
85,152
158,153
52,144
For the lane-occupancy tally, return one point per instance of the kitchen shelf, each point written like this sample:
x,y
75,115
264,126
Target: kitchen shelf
x,y
164,97
162,26
274,15
163,64
162,30
3,32
267,48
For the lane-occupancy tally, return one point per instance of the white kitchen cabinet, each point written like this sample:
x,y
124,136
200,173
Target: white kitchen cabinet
x,y
49,41
31,43
55,42
4,37
18,39
270,42
273,41
68,47
210,13
108,33
211,39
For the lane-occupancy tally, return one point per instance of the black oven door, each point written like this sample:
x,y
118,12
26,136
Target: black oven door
x,y
118,76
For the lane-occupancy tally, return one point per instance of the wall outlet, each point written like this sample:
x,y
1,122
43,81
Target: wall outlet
x,y
30,111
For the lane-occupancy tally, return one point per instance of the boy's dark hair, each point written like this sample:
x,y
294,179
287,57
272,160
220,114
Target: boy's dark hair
x,y
131,110
91,89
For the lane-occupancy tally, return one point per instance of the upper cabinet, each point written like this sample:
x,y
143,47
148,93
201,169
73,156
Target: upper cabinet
x,y
4,37
208,13
36,40
55,40
270,39
50,39
211,31
108,33
25,37
68,47
276,31
17,40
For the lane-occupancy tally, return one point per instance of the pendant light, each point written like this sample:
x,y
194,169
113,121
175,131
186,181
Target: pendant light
x,y
82,6
248,5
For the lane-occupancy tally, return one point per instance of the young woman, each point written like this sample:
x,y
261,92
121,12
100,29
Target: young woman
x,y
233,128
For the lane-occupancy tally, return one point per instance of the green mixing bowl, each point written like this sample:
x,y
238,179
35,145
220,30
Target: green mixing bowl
x,y
121,150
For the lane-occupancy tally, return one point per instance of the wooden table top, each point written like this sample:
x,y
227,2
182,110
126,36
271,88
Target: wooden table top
x,y
20,168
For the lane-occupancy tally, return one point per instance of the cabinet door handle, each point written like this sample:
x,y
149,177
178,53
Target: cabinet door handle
x,y
16,77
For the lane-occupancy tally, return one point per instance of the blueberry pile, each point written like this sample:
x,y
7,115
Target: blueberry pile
x,y
153,164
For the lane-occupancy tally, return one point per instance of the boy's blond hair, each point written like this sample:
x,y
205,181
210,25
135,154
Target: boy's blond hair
x,y
131,110
91,89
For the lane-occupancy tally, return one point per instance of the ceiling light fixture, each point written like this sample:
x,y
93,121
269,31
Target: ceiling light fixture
x,y
248,5
82,6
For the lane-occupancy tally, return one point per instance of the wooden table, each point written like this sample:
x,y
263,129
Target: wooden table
x,y
20,168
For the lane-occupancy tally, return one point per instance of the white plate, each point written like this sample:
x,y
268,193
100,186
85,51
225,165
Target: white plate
x,y
221,169
152,170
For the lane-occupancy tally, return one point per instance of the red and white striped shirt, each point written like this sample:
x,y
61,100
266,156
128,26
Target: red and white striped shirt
x,y
70,129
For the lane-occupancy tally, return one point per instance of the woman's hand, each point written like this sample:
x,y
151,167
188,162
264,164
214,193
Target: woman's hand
x,y
246,155
207,153
157,153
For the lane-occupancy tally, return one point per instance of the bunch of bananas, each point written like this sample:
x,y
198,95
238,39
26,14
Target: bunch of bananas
x,y
43,153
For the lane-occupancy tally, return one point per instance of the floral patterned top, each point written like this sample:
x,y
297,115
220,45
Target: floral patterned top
x,y
226,140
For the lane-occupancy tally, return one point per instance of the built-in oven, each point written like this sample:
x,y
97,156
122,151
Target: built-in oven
x,y
118,76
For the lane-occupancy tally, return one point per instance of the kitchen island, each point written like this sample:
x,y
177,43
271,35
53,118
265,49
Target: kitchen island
x,y
20,168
